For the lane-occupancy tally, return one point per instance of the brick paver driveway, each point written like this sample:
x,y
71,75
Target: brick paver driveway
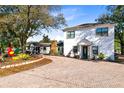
x,y
68,72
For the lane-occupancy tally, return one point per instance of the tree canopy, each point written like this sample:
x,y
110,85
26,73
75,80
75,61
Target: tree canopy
x,y
28,20
45,39
115,14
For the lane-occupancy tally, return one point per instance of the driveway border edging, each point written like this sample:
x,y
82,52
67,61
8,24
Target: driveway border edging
x,y
20,64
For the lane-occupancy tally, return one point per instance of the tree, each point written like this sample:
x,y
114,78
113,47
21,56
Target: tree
x,y
31,20
115,15
7,34
7,24
45,39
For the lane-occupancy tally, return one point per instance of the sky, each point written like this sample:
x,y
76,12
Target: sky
x,y
74,15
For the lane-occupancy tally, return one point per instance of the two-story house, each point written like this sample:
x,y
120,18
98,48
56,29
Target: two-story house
x,y
87,40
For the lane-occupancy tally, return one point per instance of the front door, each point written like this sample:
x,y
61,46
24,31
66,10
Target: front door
x,y
85,52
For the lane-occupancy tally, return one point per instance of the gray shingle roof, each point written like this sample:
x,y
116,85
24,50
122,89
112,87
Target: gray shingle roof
x,y
86,25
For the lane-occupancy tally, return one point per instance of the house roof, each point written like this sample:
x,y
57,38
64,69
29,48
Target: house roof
x,y
45,44
38,44
34,43
84,42
86,25
60,43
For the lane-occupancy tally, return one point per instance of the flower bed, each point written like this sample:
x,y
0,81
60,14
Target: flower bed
x,y
18,59
16,69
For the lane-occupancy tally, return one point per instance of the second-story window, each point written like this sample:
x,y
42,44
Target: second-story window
x,y
102,31
70,35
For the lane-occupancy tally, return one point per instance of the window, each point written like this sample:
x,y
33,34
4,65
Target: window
x,y
70,35
58,49
44,48
95,50
102,31
75,49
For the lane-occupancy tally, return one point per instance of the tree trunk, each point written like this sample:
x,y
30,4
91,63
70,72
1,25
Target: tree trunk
x,y
122,48
23,44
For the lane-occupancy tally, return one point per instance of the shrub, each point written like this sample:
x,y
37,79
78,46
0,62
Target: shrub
x,y
101,56
24,56
116,56
15,58
2,59
54,53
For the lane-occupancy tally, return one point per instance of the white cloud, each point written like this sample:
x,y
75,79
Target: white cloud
x,y
72,17
72,13
59,37
70,10
65,11
54,35
69,18
74,9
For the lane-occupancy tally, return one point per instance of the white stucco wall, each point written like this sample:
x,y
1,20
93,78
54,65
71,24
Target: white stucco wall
x,y
42,51
105,43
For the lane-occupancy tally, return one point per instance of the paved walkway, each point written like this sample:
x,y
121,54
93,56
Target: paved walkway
x,y
68,72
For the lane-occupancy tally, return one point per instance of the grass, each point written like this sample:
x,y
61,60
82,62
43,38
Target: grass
x,y
13,70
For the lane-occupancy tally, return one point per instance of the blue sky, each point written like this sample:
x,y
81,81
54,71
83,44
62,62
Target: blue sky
x,y
74,15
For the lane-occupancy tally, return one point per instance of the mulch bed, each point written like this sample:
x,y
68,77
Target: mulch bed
x,y
120,58
13,70
9,60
